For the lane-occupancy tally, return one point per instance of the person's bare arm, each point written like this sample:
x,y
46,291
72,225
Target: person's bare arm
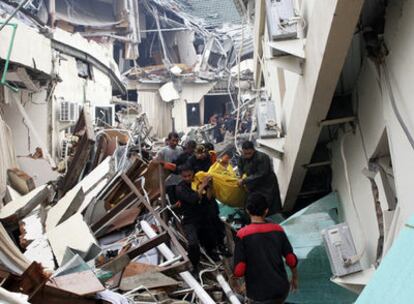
x,y
294,281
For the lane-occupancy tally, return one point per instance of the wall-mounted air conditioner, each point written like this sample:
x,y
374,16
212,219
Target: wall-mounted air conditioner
x,y
280,20
68,111
341,251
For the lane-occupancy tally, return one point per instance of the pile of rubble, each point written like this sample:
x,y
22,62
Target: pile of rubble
x,y
103,232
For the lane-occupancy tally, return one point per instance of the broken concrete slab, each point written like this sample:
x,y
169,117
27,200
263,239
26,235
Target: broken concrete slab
x,y
168,92
20,181
73,233
39,169
90,186
22,206
65,208
40,251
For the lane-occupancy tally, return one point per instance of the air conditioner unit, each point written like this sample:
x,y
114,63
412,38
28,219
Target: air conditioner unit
x,y
341,250
69,111
280,20
266,119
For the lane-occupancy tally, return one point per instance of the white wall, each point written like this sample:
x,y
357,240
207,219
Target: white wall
x,y
34,50
158,112
34,104
30,48
377,116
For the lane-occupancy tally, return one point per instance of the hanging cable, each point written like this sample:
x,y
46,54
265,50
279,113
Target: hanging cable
x,y
356,258
394,104
238,83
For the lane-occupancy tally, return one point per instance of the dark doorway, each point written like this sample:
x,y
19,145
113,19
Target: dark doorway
x,y
215,104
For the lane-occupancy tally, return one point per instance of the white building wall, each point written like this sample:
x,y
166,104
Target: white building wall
x,y
376,116
34,50
34,104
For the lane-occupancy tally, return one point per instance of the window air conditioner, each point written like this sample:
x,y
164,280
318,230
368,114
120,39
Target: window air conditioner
x,y
341,250
69,111
280,20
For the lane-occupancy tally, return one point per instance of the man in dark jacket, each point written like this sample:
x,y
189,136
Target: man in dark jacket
x,y
197,220
189,149
201,160
257,175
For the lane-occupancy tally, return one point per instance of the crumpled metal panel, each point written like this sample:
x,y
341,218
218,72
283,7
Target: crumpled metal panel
x,y
88,13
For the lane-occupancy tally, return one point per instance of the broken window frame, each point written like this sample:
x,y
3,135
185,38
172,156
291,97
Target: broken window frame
x,y
84,69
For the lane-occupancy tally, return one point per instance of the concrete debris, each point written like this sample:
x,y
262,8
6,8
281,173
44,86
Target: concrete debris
x,y
85,235
84,215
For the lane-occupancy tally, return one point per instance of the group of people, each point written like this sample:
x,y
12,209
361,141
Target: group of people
x,y
262,245
227,123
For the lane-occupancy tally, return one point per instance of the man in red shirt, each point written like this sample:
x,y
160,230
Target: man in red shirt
x,y
260,253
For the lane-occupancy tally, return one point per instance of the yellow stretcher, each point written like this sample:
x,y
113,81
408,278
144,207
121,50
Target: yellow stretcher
x,y
225,185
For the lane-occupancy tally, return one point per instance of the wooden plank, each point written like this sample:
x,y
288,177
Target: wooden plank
x,y
147,205
151,280
80,283
176,268
106,220
83,129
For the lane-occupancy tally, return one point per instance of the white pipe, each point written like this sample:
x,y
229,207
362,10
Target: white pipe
x,y
186,276
227,290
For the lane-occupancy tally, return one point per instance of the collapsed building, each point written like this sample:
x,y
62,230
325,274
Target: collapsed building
x,y
86,89
336,74
327,91
183,72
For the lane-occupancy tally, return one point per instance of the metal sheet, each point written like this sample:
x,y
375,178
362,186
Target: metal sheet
x,y
89,13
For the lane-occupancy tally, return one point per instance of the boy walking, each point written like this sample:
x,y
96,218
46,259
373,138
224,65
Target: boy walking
x,y
260,250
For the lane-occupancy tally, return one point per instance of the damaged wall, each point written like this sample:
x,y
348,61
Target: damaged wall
x,y
158,111
191,93
7,155
70,84
36,107
378,119
30,49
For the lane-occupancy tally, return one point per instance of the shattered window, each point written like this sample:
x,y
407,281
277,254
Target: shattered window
x,y
103,116
84,69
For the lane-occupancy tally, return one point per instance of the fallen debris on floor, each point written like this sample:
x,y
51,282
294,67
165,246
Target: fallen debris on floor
x,y
102,231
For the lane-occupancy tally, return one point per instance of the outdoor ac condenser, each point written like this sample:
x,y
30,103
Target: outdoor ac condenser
x,y
341,250
280,14
69,111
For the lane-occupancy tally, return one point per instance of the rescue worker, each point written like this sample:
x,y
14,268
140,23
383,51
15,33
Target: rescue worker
x,y
195,205
257,175
260,250
201,160
167,156
211,151
189,149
